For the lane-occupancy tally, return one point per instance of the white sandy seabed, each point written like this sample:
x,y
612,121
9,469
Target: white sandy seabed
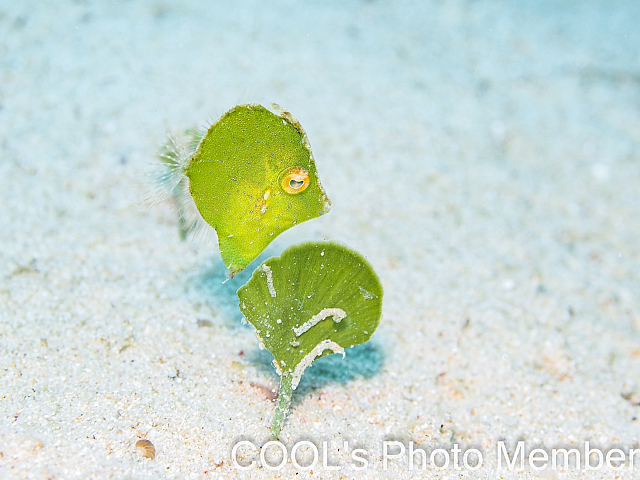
x,y
483,155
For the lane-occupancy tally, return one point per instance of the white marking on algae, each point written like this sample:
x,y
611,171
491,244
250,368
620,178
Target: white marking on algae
x,y
277,365
267,270
311,356
337,314
365,294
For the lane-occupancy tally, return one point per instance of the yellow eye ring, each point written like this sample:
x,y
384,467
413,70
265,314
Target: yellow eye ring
x,y
295,180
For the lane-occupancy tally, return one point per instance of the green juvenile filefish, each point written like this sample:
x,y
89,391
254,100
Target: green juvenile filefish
x,y
251,177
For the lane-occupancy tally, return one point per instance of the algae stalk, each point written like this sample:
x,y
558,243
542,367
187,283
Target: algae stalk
x,y
282,406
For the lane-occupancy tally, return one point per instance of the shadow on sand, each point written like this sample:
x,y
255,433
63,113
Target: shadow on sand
x,y
361,361
212,287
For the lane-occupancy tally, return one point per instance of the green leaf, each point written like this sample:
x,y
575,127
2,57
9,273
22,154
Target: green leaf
x,y
315,299
252,176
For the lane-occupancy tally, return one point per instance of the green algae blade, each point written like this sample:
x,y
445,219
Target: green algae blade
x,y
315,299
252,177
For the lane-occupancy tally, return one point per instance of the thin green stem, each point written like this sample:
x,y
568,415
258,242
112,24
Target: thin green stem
x,y
282,407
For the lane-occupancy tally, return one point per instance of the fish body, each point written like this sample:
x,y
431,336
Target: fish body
x,y
252,176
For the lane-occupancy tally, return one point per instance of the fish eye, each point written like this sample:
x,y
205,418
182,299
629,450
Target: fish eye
x,y
295,180
295,184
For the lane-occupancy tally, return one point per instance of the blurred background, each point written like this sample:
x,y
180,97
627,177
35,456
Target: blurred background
x,y
484,155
